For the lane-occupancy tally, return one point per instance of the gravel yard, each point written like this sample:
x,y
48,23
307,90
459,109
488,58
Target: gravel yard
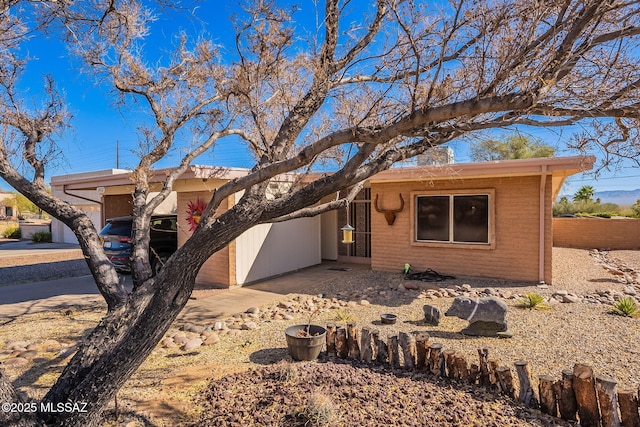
x,y
179,386
26,262
43,271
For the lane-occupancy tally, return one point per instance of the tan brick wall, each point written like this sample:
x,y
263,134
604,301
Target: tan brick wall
x,y
597,233
514,255
219,270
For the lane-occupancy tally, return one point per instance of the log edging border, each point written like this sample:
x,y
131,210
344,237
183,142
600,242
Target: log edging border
x,y
578,394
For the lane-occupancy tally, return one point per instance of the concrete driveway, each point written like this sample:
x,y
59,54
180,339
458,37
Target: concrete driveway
x,y
16,300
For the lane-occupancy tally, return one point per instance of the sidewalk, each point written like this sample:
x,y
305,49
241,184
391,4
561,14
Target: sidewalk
x,y
16,300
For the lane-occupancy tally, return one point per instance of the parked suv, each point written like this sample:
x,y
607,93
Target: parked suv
x,y
116,238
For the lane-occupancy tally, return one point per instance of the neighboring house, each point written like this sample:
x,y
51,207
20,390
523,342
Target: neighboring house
x,y
100,194
8,206
489,219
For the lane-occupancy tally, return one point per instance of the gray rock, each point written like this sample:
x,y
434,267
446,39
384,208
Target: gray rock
x,y
253,310
169,343
248,326
15,361
198,329
486,316
212,339
180,340
432,314
29,354
451,292
506,294
192,344
17,345
570,298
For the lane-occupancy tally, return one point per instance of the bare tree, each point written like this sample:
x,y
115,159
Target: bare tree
x,y
407,77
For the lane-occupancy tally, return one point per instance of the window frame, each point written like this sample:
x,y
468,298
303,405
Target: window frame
x,y
489,192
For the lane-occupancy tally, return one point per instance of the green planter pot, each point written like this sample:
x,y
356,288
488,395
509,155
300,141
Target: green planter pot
x,y
305,348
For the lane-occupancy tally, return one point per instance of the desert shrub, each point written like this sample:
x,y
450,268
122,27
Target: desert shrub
x,y
41,237
597,214
533,301
626,307
319,411
12,233
603,214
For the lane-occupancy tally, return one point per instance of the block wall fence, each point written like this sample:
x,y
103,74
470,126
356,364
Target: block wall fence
x,y
597,233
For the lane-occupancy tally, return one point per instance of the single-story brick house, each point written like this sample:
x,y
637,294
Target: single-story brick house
x,y
490,219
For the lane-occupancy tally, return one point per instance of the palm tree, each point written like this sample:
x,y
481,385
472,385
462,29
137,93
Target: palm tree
x,y
584,194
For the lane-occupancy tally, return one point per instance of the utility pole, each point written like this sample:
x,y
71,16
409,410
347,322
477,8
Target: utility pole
x,y
117,156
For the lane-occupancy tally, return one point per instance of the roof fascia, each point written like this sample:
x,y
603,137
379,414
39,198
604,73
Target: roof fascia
x,y
557,166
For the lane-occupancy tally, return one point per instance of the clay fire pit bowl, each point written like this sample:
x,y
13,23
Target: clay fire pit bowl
x,y
388,319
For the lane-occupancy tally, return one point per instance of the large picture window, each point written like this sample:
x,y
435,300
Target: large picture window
x,y
453,218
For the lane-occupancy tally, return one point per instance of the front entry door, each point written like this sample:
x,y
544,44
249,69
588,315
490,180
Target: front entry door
x,y
360,219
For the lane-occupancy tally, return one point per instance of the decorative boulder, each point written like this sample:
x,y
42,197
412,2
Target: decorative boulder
x,y
432,314
487,317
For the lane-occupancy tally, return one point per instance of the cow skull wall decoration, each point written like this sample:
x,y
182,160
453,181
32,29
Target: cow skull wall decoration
x,y
390,214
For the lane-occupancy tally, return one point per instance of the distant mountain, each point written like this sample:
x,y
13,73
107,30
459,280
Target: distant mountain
x,y
619,197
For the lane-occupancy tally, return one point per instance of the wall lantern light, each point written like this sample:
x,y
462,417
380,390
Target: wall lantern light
x,y
347,234
347,230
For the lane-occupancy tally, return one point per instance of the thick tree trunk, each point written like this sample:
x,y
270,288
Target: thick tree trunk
x,y
127,334
115,349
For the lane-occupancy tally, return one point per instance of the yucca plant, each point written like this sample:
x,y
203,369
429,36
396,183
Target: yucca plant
x,y
534,301
344,316
626,307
